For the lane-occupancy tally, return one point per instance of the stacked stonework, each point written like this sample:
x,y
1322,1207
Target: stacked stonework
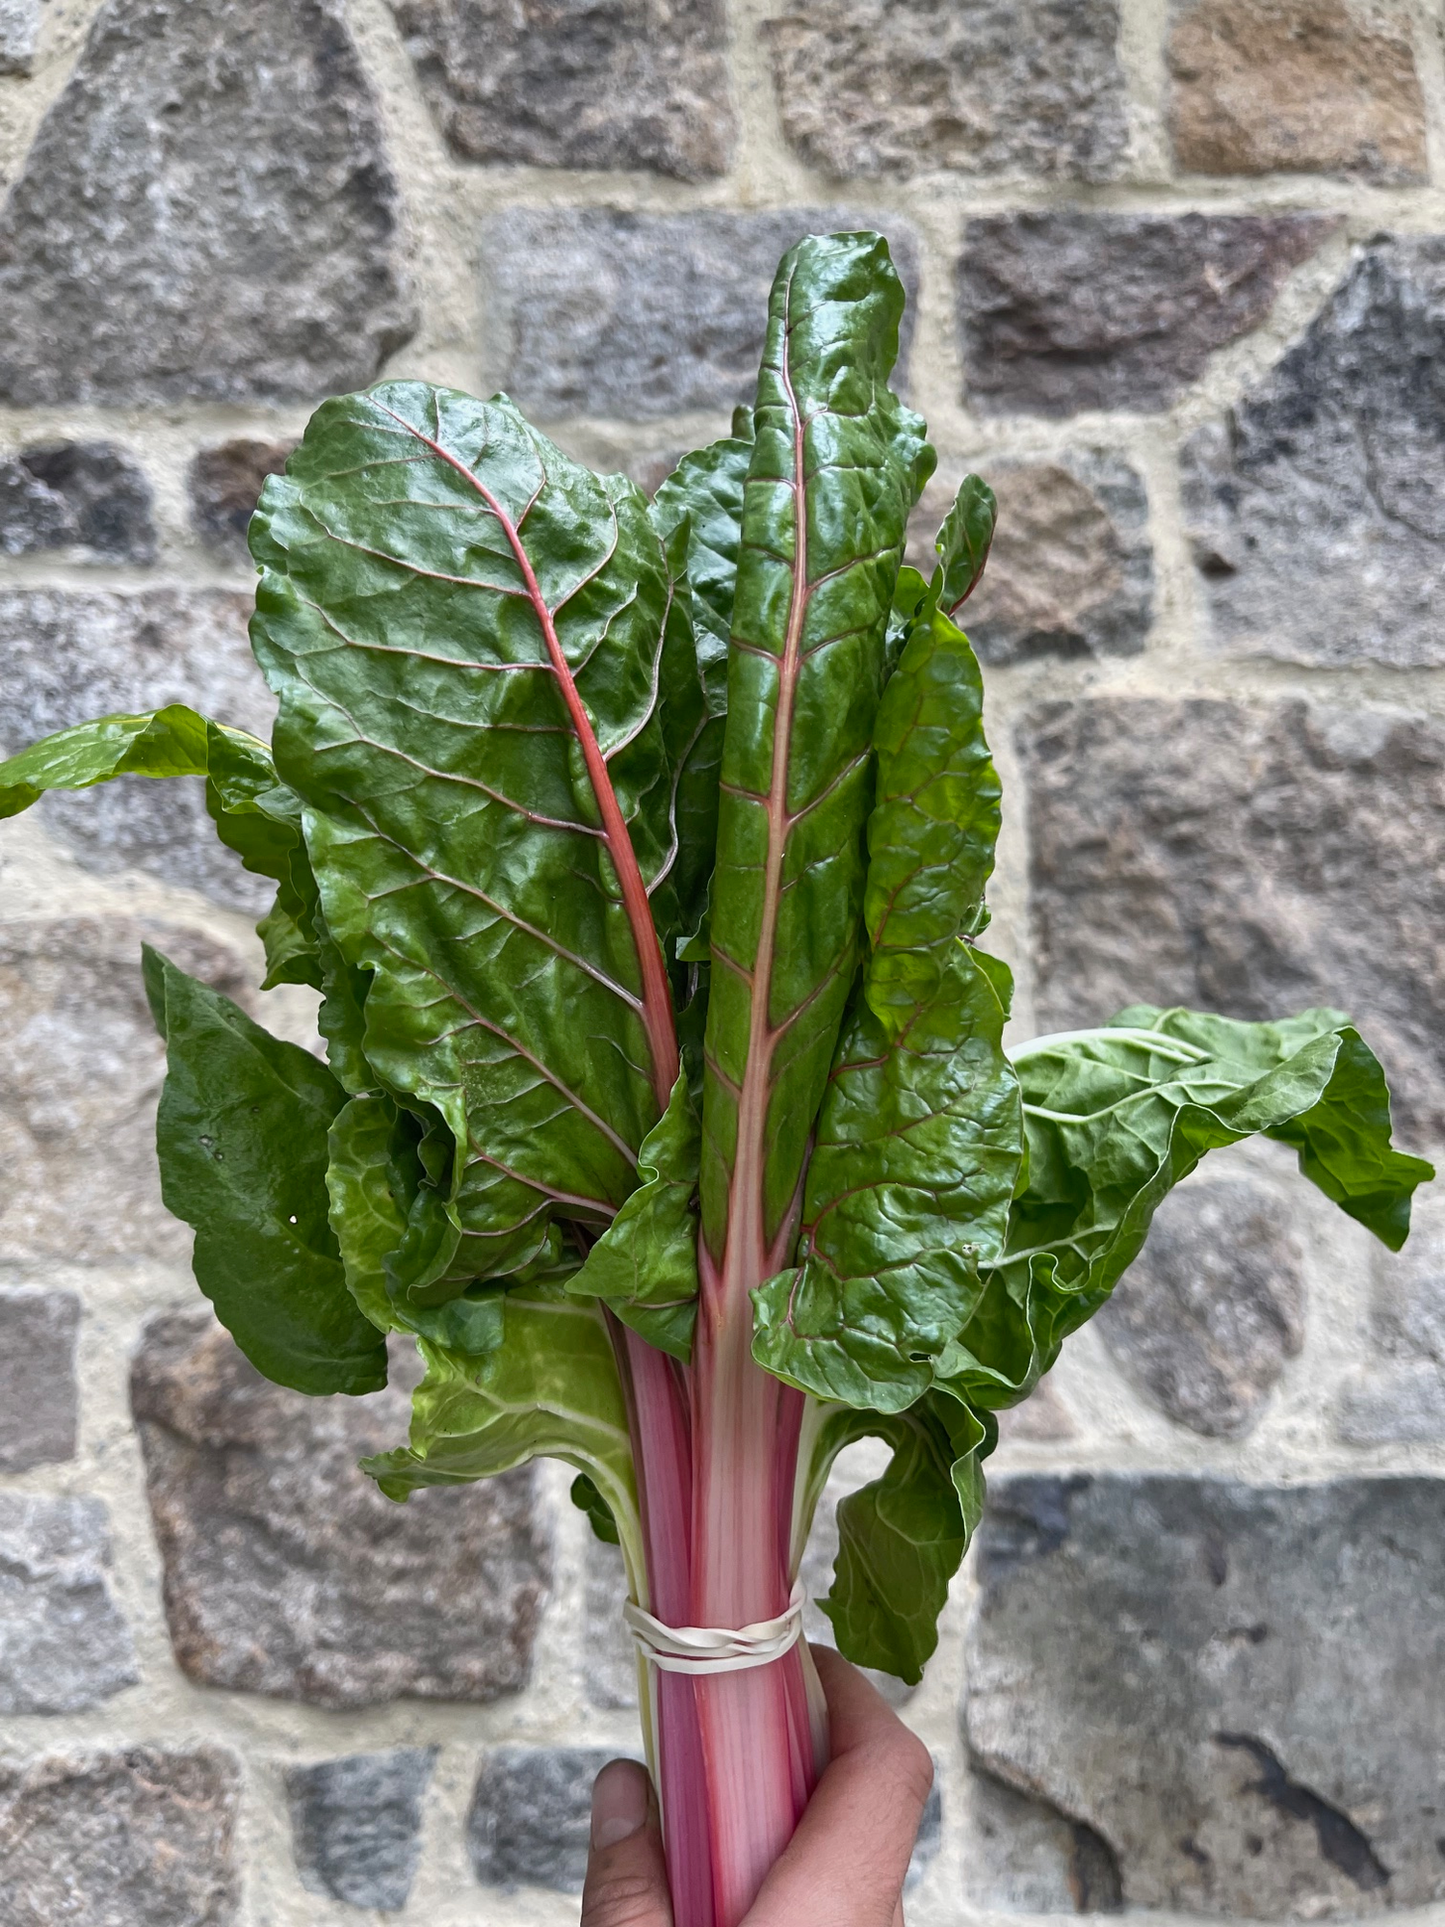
x,y
1178,280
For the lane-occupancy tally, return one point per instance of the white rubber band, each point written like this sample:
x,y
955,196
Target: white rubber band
x,y
706,1649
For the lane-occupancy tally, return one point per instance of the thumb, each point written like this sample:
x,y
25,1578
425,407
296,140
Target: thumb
x,y
626,1873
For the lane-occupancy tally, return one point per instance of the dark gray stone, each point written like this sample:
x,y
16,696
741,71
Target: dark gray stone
x,y
356,1824
288,1573
1023,1856
869,87
1206,1316
66,656
141,1838
1240,1689
82,496
1317,507
19,30
63,1645
1266,86
1254,861
225,483
1400,1404
1066,311
640,315
80,1072
208,211
930,1838
529,1820
603,83
39,1397
1071,570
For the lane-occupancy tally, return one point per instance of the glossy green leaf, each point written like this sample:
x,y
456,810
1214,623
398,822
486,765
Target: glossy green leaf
x,y
935,822
902,1536
464,628
242,1140
550,1391
908,1191
964,542
1116,1117
644,1266
837,465
585,1496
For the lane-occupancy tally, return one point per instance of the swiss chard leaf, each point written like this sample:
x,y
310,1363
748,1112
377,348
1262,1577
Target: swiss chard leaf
x,y
1116,1117
902,1536
242,1140
963,544
644,1266
935,822
908,1190
836,467
551,1391
467,633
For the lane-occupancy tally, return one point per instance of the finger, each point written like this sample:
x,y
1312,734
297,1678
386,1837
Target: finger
x,y
626,1873
845,1865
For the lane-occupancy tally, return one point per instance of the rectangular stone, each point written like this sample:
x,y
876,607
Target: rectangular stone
x,y
903,87
1063,311
623,84
140,1838
640,315
288,1573
356,1824
1295,86
63,1644
528,1822
39,1398
19,31
1252,860
1239,1689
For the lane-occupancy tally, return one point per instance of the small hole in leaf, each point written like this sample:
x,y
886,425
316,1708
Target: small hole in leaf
x,y
292,1218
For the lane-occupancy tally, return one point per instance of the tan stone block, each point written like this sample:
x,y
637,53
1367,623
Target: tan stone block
x,y
1295,86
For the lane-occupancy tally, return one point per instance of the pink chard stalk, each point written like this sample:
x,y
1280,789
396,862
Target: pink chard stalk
x,y
638,853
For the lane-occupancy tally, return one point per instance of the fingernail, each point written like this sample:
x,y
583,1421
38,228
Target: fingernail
x,y
619,1803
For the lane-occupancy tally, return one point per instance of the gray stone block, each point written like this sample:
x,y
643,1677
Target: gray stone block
x,y
1400,1398
1317,507
66,656
607,83
217,168
79,1076
1205,1318
356,1824
225,483
1400,1404
1250,860
63,1644
1240,1689
39,1398
19,30
530,1816
288,1573
902,87
1066,311
140,1838
639,315
1071,570
85,497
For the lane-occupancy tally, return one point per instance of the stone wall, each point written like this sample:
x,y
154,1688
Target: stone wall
x,y
1179,281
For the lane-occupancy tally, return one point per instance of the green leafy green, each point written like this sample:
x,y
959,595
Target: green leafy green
x,y
242,1139
836,466
551,1390
964,542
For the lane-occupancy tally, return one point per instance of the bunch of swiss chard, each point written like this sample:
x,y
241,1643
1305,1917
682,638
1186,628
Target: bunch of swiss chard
x,y
638,852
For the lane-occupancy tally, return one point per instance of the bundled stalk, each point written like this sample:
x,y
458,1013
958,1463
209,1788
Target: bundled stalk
x,y
638,854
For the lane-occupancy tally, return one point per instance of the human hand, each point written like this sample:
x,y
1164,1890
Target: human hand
x,y
844,1866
